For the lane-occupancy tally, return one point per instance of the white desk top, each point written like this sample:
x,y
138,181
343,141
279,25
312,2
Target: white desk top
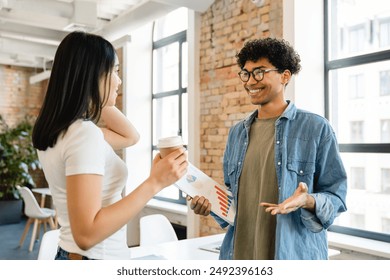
x,y
186,249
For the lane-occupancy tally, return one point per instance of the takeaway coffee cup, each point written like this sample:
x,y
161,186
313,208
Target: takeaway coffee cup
x,y
169,144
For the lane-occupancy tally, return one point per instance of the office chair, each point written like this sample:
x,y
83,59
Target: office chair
x,y
35,214
156,229
49,245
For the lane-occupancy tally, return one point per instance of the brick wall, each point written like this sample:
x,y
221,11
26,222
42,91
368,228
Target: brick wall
x,y
225,26
19,98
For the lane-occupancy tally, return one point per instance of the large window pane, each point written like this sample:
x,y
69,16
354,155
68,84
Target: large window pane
x,y
166,68
170,81
368,191
165,117
172,23
357,88
359,111
358,27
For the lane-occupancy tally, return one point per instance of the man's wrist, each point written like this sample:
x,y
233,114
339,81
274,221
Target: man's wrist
x,y
310,203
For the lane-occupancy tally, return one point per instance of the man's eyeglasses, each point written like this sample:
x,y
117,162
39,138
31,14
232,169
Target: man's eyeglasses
x,y
257,74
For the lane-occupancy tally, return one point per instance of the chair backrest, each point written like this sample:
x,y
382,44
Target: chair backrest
x,y
49,245
156,229
31,206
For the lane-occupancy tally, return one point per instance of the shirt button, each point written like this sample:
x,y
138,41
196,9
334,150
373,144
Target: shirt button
x,y
301,171
278,142
279,163
239,163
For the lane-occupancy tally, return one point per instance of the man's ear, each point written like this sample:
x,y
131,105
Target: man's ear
x,y
286,76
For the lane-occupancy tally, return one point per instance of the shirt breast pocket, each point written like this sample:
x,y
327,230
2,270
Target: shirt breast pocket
x,y
301,171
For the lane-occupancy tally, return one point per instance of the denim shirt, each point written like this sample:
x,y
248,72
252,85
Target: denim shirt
x,y
306,150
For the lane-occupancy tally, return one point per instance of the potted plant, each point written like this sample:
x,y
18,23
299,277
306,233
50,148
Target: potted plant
x,y
17,158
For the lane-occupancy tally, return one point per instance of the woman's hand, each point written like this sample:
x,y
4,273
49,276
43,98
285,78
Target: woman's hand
x,y
119,132
171,168
300,199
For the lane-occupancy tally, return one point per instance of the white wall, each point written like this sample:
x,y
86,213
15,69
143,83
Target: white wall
x,y
303,28
137,58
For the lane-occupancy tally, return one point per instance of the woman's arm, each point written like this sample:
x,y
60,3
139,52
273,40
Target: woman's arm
x,y
119,131
91,223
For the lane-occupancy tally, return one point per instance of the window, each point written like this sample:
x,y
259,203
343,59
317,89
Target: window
x,y
169,98
384,32
357,38
357,180
385,131
357,94
356,86
385,180
384,82
357,131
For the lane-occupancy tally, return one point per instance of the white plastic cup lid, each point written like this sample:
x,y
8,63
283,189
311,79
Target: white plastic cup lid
x,y
168,142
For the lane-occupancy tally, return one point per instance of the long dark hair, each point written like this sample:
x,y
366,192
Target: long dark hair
x,y
81,61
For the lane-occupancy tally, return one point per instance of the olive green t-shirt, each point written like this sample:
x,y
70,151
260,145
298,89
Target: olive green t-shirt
x,y
255,229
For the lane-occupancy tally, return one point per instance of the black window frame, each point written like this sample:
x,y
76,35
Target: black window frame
x,y
378,148
181,38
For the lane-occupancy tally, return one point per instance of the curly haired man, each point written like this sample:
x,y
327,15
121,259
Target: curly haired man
x,y
282,165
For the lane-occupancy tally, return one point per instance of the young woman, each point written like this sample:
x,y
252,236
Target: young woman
x,y
85,176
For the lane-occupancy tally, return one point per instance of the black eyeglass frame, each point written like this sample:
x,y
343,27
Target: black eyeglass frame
x,y
259,71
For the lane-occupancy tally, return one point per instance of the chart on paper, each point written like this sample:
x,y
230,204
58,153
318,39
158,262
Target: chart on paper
x,y
195,182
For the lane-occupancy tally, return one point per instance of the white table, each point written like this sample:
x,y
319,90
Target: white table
x,y
186,249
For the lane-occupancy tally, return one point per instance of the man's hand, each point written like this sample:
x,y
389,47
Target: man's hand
x,y
200,205
300,199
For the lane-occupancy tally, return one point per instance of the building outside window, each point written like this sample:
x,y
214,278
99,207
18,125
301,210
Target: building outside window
x,y
384,77
357,44
358,221
385,131
358,178
384,31
357,38
170,79
357,132
386,224
356,86
385,180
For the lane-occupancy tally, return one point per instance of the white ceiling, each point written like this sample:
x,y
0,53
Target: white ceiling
x,y
30,30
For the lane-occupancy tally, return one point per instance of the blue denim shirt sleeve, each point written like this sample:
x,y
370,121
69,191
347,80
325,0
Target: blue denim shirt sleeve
x,y
329,191
314,222
222,223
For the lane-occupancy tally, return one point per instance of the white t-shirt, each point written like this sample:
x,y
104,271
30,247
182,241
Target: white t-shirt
x,y
83,150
